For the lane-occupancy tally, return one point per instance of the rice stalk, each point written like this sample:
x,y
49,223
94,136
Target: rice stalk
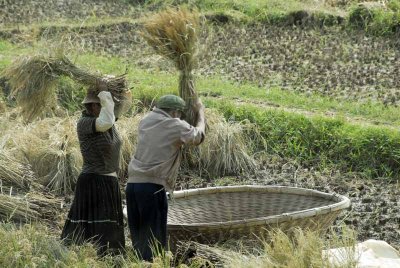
x,y
33,81
227,149
51,148
14,173
305,248
200,255
128,131
173,33
3,106
46,204
64,152
17,209
31,206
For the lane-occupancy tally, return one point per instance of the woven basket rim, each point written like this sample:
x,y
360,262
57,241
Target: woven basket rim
x,y
342,203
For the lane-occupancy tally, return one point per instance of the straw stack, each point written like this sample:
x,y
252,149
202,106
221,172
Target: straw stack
x,y
46,204
227,149
51,147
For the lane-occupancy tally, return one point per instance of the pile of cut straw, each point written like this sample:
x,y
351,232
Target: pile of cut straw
x,y
51,147
227,149
33,206
46,204
17,209
128,131
14,173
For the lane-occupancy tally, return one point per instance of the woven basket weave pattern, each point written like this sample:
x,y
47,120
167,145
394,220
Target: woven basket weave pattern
x,y
226,207
217,214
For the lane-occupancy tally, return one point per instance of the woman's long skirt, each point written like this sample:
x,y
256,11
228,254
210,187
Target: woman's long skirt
x,y
96,214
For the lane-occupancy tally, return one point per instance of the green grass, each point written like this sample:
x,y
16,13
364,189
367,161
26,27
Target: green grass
x,y
322,142
275,97
274,11
91,21
381,21
148,85
8,52
35,245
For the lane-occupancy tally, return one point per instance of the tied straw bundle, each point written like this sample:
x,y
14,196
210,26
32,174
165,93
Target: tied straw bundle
x,y
31,207
14,173
33,82
173,33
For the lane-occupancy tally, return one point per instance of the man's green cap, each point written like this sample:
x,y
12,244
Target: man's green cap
x,y
171,102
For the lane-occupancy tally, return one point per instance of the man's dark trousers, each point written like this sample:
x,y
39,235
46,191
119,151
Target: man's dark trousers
x,y
147,217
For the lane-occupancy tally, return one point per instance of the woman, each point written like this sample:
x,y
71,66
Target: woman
x,y
96,212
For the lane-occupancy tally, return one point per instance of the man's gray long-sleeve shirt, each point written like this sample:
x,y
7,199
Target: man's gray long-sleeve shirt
x,y
157,156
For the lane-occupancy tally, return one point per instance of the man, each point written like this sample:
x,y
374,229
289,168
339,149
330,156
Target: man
x,y
153,170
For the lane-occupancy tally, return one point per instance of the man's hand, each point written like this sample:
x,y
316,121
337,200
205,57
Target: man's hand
x,y
198,106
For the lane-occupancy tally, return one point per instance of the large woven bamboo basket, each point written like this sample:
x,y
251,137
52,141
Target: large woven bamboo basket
x,y
210,215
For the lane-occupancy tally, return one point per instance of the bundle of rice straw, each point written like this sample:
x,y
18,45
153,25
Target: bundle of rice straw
x,y
46,204
33,81
173,33
17,209
32,206
14,173
227,149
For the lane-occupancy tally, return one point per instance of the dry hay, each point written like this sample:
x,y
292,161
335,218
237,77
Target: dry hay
x,y
3,106
173,33
304,248
200,255
51,147
128,131
14,173
17,209
46,204
33,206
227,148
33,82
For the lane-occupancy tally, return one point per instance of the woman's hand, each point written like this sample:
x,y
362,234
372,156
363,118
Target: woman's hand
x,y
105,98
